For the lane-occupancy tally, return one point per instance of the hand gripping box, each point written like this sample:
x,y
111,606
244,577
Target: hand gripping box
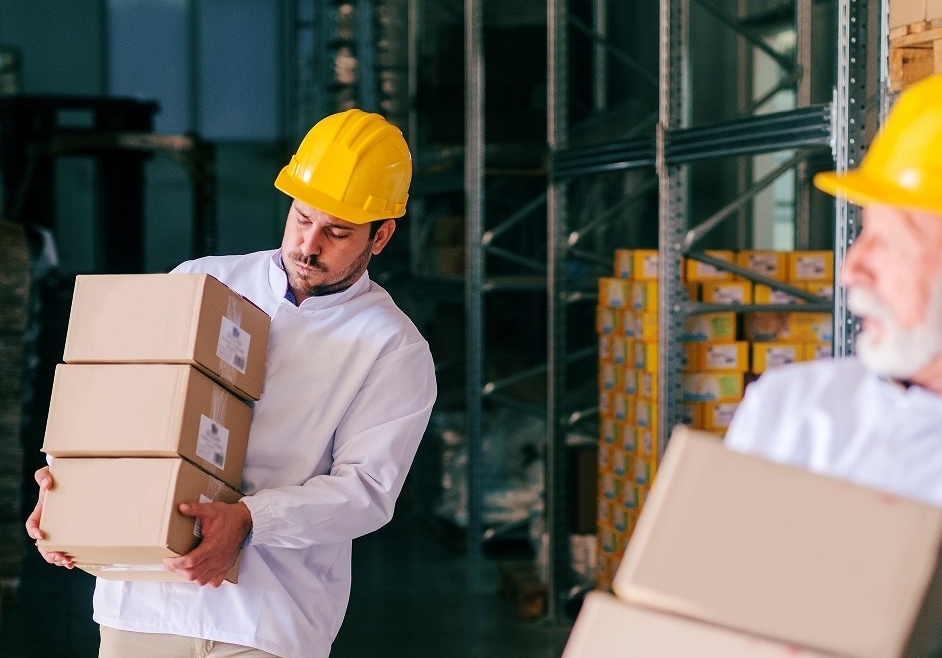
x,y
780,552
169,318
148,410
118,517
609,628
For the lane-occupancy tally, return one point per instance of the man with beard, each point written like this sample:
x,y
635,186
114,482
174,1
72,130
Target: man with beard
x,y
349,388
874,419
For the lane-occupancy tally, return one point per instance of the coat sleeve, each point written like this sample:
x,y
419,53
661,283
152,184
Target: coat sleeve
x,y
373,449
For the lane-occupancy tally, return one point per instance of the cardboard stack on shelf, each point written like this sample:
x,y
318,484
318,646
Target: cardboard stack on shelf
x,y
737,556
150,409
915,41
723,351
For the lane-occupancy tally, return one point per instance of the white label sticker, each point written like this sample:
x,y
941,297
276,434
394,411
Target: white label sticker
x,y
212,442
198,526
722,356
233,346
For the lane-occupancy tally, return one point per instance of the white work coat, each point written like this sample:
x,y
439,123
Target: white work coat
x,y
838,418
348,392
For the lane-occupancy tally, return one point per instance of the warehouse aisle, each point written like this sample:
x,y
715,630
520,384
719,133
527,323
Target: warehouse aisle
x,y
412,596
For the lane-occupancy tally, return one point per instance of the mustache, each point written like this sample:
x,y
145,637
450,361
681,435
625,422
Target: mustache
x,y
864,303
307,261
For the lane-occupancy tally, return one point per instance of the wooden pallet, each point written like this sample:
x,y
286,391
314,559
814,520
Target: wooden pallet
x,y
915,53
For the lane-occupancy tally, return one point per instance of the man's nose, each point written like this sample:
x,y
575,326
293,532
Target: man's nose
x,y
854,271
310,244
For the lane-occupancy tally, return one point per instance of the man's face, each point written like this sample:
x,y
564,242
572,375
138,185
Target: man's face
x,y
894,275
323,254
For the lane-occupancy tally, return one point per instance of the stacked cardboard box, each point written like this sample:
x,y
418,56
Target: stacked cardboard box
x,y
735,555
723,351
915,41
148,411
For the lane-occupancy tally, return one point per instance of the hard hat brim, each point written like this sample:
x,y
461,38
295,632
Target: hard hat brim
x,y
316,199
862,189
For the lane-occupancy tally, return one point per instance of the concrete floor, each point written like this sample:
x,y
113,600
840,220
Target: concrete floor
x,y
411,596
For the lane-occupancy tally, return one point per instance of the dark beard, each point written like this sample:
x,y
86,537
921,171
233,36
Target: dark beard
x,y
353,273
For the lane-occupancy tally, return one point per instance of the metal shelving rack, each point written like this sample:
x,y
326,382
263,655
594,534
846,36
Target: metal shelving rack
x,y
843,125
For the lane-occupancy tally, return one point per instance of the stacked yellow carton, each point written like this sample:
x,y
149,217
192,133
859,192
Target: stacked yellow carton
x,y
723,352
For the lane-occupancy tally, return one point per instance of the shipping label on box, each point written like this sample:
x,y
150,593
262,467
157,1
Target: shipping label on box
x,y
623,407
606,457
147,410
629,498
608,376
768,543
716,416
621,349
620,462
644,471
647,385
709,327
770,264
647,441
712,386
607,429
606,320
646,413
697,271
606,403
614,292
604,512
774,355
764,294
636,264
610,485
722,356
142,525
644,296
629,380
169,318
810,266
727,292
627,437
645,356
811,327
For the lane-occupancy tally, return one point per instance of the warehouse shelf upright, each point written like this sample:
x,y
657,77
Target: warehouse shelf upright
x,y
492,182
581,244
842,125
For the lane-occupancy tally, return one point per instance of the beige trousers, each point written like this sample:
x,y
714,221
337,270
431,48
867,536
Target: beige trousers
x,y
122,644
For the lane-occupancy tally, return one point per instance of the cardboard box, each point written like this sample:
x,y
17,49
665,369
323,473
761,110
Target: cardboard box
x,y
778,551
905,12
695,270
118,517
636,264
609,628
800,326
721,356
776,354
716,416
712,386
770,264
933,9
764,294
804,266
148,410
169,318
644,296
726,292
614,292
705,327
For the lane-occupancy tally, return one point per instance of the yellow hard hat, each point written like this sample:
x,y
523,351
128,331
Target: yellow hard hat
x,y
353,165
903,166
